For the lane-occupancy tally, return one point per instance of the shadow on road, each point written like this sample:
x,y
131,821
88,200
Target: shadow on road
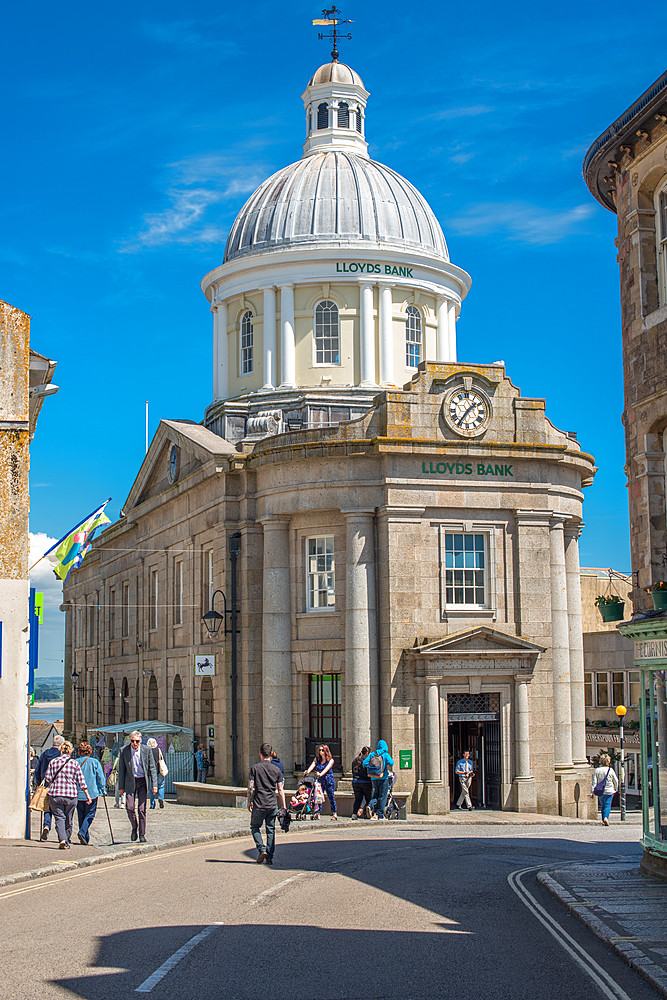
x,y
463,933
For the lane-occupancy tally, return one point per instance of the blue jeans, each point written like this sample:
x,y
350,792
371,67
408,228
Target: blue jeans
x,y
86,815
201,774
46,825
380,793
268,817
328,783
605,805
160,790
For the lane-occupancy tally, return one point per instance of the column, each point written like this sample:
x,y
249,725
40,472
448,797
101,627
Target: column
x,y
442,336
524,785
220,358
451,324
367,336
269,337
572,532
560,647
386,336
287,344
432,731
362,704
276,638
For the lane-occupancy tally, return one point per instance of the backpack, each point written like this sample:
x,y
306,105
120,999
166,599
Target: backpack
x,y
375,766
601,785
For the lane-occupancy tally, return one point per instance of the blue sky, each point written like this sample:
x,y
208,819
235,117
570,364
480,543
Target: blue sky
x,y
134,133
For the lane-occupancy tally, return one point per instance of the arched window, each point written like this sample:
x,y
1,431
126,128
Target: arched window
x,y
125,701
323,116
413,337
177,701
343,115
111,703
246,343
327,335
206,709
152,699
661,212
358,117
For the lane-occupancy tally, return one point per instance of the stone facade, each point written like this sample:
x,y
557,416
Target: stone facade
x,y
391,490
626,170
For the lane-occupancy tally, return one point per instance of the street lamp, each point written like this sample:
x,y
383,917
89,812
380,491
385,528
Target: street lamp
x,y
74,677
213,619
620,712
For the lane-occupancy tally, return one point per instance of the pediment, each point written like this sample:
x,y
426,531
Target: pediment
x,y
476,642
197,446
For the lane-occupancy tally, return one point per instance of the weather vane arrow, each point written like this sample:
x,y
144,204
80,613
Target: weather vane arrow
x,y
330,20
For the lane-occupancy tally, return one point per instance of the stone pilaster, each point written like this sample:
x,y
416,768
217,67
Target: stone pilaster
x,y
277,637
361,687
560,649
525,789
577,699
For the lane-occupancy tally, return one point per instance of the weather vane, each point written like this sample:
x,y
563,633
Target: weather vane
x,y
330,19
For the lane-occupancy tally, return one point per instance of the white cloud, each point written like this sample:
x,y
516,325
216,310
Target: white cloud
x,y
176,224
520,221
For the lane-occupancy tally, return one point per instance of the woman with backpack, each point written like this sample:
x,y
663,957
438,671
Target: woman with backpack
x,y
377,765
604,784
361,783
323,764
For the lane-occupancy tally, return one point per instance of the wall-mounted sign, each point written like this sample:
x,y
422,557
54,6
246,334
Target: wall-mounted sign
x,y
651,649
205,665
466,469
357,268
405,760
211,732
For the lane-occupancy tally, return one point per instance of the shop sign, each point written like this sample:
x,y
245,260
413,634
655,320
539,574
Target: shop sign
x,y
651,649
205,665
466,469
357,268
405,760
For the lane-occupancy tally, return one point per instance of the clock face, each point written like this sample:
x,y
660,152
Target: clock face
x,y
467,409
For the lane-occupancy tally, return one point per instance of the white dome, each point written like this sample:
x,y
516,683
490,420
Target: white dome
x,y
335,198
335,72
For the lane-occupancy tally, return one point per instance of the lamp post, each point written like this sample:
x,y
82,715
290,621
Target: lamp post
x,y
213,620
620,712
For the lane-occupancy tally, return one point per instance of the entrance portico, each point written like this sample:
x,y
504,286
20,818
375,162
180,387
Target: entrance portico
x,y
478,661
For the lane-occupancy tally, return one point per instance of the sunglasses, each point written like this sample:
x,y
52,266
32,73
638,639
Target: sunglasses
x,y
135,741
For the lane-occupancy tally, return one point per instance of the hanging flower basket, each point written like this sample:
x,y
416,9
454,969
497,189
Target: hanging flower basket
x,y
658,594
611,608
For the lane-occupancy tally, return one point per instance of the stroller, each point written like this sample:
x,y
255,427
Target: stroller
x,y
309,808
391,810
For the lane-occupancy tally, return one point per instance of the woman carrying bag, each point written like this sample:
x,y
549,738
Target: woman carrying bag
x,y
605,785
323,765
162,772
63,779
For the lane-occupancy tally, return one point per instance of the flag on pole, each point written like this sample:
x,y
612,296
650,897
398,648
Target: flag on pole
x,y
69,552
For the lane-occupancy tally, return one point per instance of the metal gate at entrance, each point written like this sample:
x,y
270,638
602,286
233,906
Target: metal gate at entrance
x,y
474,725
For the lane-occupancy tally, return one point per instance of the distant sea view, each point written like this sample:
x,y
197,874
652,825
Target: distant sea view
x,y
48,711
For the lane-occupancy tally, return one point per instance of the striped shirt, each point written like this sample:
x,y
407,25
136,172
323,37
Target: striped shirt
x,y
70,779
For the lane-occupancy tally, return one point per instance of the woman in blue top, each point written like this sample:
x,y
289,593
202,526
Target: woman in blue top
x,y
94,778
323,764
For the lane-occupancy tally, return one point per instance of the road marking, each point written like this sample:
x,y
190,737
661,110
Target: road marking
x,y
609,987
279,885
167,966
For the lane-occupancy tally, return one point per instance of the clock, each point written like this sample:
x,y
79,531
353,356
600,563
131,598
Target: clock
x,y
467,411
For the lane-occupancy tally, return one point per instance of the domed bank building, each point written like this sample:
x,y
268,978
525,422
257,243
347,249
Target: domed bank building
x,y
404,524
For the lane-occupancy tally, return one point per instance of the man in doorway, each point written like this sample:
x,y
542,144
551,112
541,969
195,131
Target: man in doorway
x,y
136,774
264,782
465,772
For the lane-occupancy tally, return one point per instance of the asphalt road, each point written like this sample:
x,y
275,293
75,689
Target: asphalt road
x,y
365,912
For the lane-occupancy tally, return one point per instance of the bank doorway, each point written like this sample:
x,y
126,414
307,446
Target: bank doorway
x,y
474,725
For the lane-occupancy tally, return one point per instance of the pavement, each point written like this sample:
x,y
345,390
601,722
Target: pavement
x,y
621,905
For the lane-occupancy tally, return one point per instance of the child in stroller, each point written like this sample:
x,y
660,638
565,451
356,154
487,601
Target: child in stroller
x,y
304,804
391,810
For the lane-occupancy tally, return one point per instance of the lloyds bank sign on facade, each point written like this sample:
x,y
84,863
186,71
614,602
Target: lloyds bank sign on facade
x,y
466,469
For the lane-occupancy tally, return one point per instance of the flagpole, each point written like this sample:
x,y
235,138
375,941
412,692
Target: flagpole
x,y
83,521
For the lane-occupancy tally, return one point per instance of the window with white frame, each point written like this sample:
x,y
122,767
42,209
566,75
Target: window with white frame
x,y
413,337
661,212
125,625
607,689
153,619
465,569
327,333
178,592
246,343
321,573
